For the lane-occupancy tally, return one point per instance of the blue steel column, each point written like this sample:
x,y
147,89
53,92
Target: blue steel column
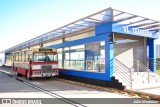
x,y
85,57
152,54
109,56
106,29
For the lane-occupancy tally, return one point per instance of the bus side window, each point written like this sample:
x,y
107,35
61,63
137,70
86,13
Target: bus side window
x,y
26,57
19,56
23,56
30,57
12,59
16,55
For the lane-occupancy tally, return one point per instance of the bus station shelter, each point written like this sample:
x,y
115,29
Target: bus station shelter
x,y
88,48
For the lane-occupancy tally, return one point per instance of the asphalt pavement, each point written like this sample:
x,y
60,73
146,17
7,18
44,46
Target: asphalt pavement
x,y
12,88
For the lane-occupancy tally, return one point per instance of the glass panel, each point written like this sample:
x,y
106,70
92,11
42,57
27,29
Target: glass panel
x,y
116,12
102,60
59,57
67,48
39,56
74,57
51,57
102,43
23,56
102,17
123,17
17,56
48,57
66,64
55,57
29,55
20,57
77,47
95,57
77,56
67,56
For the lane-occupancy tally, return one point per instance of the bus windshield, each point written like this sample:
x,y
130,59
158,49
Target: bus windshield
x,y
45,57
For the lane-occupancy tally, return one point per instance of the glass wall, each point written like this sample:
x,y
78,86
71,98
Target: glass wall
x,y
59,57
47,57
74,57
95,56
89,57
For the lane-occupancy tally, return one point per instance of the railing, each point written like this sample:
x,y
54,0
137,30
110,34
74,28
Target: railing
x,y
143,70
146,72
123,72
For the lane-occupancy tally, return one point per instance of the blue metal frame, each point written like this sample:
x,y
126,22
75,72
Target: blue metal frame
x,y
79,42
102,34
95,75
152,54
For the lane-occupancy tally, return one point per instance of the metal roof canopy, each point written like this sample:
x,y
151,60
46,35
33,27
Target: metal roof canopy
x,y
104,16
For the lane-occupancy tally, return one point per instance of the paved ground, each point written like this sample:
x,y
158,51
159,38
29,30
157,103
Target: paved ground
x,y
152,90
11,88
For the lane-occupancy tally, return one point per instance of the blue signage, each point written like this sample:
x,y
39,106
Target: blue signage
x,y
137,31
133,30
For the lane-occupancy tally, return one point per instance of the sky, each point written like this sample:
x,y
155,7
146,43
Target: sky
x,y
21,20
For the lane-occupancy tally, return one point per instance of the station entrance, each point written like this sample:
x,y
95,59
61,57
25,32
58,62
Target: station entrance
x,y
129,49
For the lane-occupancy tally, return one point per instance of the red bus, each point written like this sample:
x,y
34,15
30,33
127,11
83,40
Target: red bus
x,y
36,62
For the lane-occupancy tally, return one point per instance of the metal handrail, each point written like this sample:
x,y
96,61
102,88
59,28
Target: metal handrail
x,y
124,79
148,74
145,69
123,72
116,60
142,64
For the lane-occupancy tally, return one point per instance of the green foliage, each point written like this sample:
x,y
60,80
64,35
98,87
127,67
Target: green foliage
x,y
158,63
158,59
